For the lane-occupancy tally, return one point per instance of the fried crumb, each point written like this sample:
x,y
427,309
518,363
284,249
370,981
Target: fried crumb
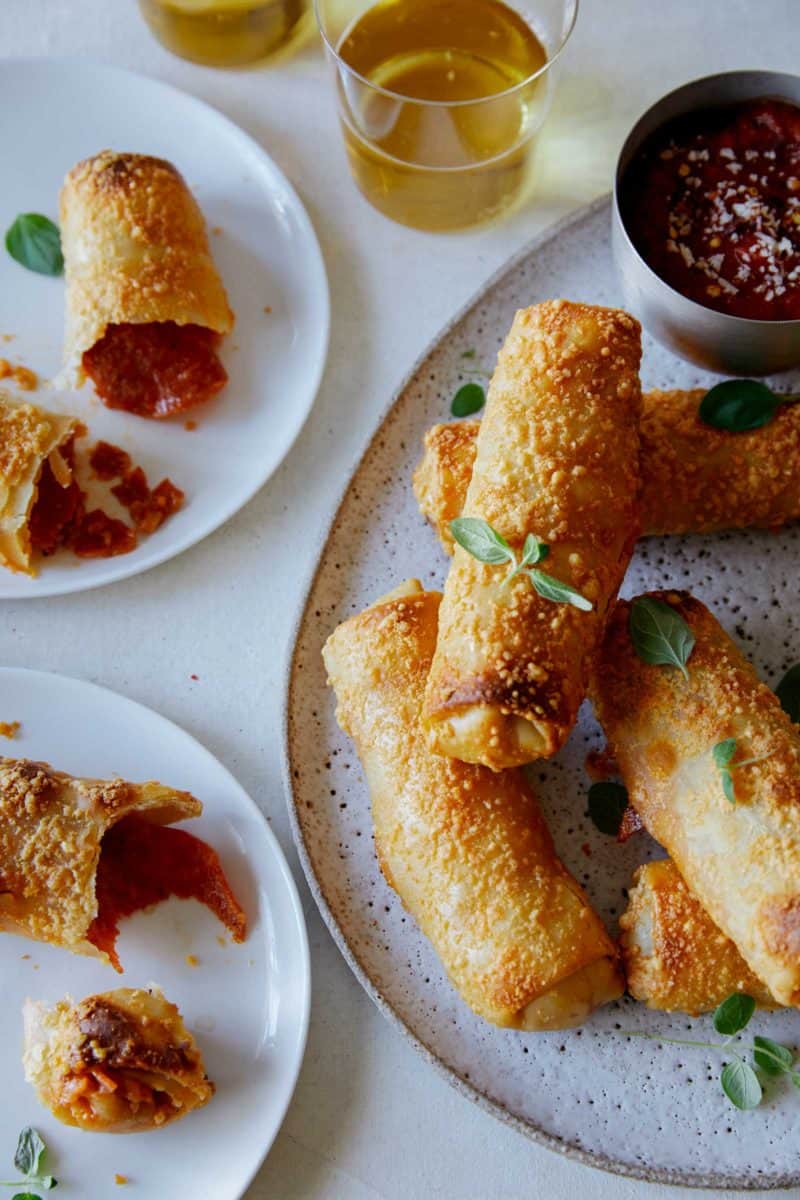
x,y
267,308
8,337
9,729
25,957
120,1179
25,379
192,960
190,425
221,940
216,229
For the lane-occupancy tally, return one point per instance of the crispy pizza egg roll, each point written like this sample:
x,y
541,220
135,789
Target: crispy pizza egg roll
x,y
78,855
117,1062
675,957
145,305
695,479
740,856
466,850
557,457
38,494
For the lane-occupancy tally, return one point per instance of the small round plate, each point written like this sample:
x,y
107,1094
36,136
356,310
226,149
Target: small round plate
x,y
52,114
246,1004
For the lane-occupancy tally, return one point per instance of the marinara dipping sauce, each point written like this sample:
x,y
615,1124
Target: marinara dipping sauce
x,y
712,203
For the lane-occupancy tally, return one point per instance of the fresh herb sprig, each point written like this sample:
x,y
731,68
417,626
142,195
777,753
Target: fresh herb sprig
x,y
722,754
739,405
739,1080
479,539
35,242
29,1159
659,634
788,692
607,804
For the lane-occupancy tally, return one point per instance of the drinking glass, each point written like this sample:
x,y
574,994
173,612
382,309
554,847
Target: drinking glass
x,y
429,160
222,33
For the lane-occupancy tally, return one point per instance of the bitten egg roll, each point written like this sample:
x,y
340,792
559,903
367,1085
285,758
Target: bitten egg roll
x,y
741,856
695,479
466,849
675,957
145,305
557,457
38,494
118,1062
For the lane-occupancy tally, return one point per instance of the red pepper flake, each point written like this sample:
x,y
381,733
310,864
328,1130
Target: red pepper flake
x,y
601,764
587,850
194,676
109,461
101,536
630,824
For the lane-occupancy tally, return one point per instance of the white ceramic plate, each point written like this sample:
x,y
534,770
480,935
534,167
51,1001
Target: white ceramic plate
x,y
247,1005
52,114
632,1106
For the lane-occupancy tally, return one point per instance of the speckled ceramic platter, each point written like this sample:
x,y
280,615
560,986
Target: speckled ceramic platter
x,y
629,1105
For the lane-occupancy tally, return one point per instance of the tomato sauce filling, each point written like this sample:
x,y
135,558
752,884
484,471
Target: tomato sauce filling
x,y
155,370
108,461
712,203
142,864
56,509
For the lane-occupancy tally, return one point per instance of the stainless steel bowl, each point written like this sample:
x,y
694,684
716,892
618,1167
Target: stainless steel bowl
x,y
730,345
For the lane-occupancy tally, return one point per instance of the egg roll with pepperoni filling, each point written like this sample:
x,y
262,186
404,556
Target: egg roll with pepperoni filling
x,y
39,495
78,855
145,305
466,849
740,857
675,957
557,457
695,479
117,1062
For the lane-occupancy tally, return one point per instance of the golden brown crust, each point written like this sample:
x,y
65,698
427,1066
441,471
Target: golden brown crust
x,y
118,1062
135,251
29,437
51,830
557,456
467,850
741,860
695,479
675,957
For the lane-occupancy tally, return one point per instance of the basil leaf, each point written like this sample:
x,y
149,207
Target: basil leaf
x,y
533,551
481,541
723,752
734,1013
738,405
607,804
34,241
788,692
561,593
774,1051
660,636
29,1152
740,1084
468,399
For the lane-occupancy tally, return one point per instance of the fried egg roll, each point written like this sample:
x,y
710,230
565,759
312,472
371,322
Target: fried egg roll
x,y
118,1062
145,305
675,957
467,850
695,479
741,856
557,457
38,494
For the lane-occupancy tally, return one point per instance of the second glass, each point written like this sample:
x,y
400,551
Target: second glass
x,y
441,100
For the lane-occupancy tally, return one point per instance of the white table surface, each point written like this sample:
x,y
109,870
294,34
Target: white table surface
x,y
369,1119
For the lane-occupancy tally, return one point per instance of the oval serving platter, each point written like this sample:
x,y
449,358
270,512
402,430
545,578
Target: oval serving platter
x,y
629,1105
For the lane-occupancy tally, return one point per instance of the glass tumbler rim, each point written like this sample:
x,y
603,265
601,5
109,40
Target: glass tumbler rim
x,y
491,96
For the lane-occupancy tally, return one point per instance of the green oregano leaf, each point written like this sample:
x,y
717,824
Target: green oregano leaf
x,y
533,551
771,1056
607,804
555,590
470,398
734,1014
740,1084
788,692
659,634
29,1152
34,241
481,541
723,752
739,405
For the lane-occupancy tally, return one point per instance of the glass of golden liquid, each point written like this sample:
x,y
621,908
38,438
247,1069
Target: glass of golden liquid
x,y
441,100
222,33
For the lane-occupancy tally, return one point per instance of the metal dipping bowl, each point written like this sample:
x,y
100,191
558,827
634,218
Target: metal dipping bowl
x,y
715,340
